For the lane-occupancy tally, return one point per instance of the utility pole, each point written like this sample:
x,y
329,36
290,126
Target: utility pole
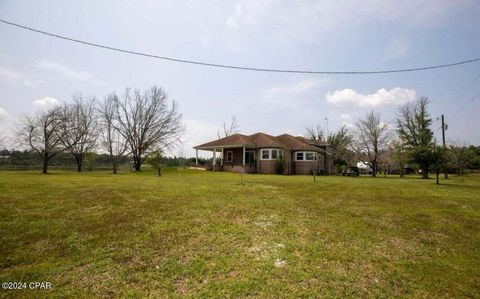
x,y
444,146
326,119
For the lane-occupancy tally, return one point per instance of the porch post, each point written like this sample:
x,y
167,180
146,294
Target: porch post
x,y
325,163
258,155
221,158
243,160
214,158
196,157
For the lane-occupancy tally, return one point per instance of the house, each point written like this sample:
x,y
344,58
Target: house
x,y
261,153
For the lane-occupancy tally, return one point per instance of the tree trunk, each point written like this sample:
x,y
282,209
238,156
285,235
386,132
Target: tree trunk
x,y
78,159
45,163
425,172
137,163
114,166
374,169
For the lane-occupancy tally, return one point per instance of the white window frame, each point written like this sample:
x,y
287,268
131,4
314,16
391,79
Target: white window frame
x,y
304,156
273,153
229,156
270,156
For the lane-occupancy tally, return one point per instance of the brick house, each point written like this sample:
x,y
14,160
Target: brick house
x,y
259,153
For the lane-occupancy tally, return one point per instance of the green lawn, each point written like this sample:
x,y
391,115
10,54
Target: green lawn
x,y
201,234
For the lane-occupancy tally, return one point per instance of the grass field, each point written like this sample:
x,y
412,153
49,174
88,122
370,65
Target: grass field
x,y
202,234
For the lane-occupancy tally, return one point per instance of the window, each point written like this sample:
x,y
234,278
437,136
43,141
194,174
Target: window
x,y
265,154
229,156
272,154
305,156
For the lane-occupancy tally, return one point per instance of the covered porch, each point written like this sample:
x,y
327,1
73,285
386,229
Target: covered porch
x,y
232,158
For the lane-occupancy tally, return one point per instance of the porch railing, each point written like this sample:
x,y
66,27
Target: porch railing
x,y
239,162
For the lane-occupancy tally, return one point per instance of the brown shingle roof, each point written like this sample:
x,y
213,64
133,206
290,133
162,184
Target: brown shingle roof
x,y
265,140
294,143
262,140
232,140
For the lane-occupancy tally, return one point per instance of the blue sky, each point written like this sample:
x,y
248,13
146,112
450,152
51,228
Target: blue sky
x,y
36,71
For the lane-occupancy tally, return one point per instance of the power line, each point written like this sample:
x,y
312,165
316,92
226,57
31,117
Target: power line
x,y
463,92
460,95
240,67
463,106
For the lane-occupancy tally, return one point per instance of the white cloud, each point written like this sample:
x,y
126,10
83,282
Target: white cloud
x,y
307,20
300,97
232,20
288,92
383,97
346,120
29,83
9,74
3,113
48,69
64,71
397,48
46,102
304,86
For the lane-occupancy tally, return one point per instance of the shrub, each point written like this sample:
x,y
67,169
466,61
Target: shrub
x,y
280,165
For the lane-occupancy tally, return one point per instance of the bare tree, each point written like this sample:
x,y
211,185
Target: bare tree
x,y
147,122
110,137
315,133
228,130
2,140
371,136
43,133
80,128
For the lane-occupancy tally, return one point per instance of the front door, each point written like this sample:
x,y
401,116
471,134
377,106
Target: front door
x,y
250,158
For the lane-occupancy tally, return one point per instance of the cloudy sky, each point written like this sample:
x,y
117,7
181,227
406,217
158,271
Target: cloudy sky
x,y
38,71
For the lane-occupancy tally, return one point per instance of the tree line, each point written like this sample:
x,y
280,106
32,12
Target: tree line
x,y
138,124
409,139
135,124
28,159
